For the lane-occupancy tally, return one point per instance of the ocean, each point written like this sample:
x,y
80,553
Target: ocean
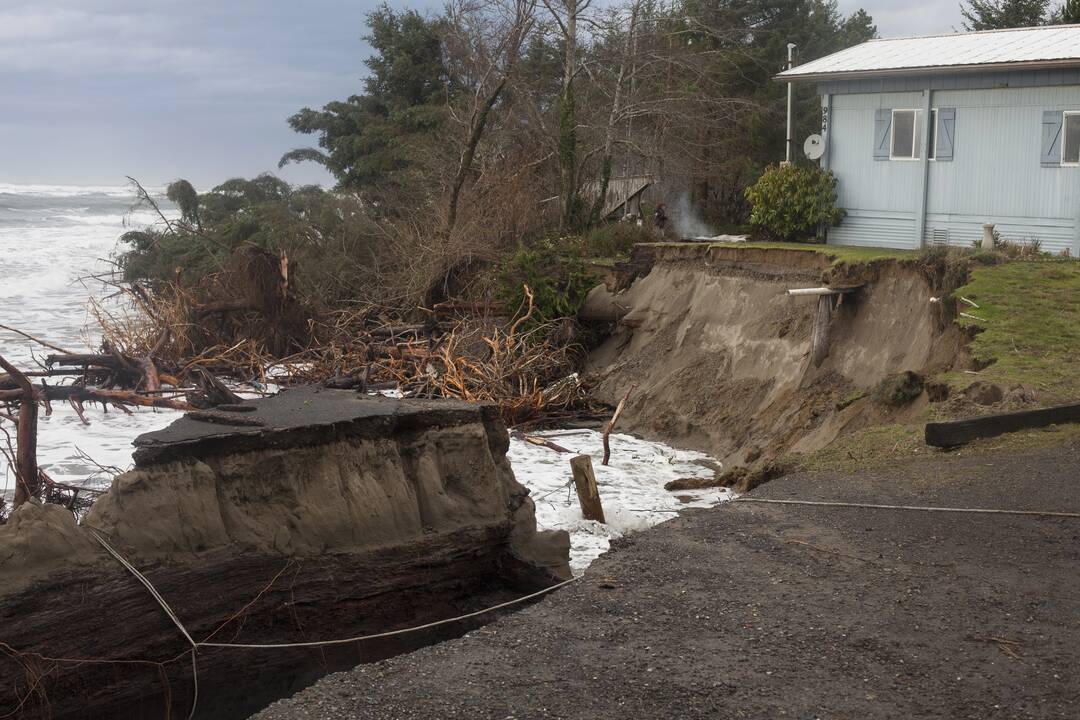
x,y
52,238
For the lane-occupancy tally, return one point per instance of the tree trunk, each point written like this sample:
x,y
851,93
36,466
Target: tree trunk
x,y
613,117
27,480
476,131
568,124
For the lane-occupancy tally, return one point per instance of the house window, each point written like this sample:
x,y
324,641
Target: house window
x,y
1070,146
903,135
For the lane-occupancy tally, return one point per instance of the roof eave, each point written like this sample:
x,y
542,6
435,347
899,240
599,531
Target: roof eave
x,y
929,70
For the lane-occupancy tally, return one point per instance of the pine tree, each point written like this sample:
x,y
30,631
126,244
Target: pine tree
x,y
1000,14
1068,13
370,140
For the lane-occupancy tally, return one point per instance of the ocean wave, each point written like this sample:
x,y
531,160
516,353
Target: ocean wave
x,y
73,190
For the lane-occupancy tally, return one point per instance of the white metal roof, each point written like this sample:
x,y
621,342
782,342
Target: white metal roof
x,y
1051,46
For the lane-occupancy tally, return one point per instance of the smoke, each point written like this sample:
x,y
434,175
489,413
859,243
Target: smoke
x,y
686,221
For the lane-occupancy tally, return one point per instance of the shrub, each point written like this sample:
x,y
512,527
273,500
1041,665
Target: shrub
x,y
338,250
556,273
1013,249
615,239
791,202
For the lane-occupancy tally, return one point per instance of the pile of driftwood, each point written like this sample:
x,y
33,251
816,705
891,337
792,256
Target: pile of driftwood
x,y
109,379
164,356
469,350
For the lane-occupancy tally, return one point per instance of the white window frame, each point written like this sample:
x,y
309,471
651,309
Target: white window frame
x,y
1065,136
914,134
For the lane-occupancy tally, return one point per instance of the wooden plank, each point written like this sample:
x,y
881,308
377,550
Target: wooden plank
x,y
585,483
958,432
822,290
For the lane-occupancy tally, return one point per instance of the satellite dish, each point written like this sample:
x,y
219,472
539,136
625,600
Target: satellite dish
x,y
814,147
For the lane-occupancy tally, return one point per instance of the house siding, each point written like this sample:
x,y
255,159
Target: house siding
x,y
995,175
880,196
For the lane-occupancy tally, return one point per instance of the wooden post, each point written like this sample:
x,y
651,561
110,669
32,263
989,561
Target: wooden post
x,y
611,424
819,342
585,482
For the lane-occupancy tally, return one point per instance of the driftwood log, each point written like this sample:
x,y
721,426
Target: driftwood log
x,y
959,432
585,483
27,477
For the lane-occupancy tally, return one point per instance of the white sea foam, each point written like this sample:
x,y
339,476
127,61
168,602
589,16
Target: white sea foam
x,y
51,236
631,486
65,191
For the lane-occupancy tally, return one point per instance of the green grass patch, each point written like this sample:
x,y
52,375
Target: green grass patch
x,y
888,444
1029,315
866,448
837,254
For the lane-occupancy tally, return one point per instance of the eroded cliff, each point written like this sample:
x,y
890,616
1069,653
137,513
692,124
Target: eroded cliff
x,y
721,354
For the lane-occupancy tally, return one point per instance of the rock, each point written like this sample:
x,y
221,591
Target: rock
x,y
1020,395
937,391
983,393
899,389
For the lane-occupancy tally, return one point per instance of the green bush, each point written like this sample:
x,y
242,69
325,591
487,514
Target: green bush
x,y
556,273
791,202
326,235
615,239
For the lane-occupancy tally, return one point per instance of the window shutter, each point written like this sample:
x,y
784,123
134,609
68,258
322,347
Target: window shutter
x,y
882,125
945,133
1051,138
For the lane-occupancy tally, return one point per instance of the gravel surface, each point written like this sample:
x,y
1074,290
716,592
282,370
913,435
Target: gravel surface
x,y
767,611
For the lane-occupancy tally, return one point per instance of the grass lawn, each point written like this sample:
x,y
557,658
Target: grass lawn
x,y
1029,315
842,253
837,254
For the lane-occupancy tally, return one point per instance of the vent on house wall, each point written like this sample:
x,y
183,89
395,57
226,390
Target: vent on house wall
x,y
939,236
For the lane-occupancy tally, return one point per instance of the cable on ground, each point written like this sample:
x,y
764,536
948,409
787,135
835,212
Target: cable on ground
x,y
920,508
195,645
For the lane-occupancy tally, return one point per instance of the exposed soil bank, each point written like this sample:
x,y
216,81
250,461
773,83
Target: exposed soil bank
x,y
341,515
721,354
753,611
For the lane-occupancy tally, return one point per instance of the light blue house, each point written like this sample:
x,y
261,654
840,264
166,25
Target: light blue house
x,y
932,137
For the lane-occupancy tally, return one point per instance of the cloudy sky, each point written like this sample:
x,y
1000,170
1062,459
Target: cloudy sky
x,y
92,90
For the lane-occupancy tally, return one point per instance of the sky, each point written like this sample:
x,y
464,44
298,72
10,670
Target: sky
x,y
94,90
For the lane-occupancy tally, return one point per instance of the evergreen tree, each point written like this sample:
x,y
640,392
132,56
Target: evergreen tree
x,y
368,140
1000,14
1068,13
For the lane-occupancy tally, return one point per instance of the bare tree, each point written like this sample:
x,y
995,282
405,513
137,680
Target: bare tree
x,y
614,115
494,34
567,15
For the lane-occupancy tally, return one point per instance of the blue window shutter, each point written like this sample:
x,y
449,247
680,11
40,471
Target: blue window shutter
x,y
945,133
882,125
1051,138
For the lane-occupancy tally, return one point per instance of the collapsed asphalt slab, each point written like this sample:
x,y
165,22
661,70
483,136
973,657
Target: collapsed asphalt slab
x,y
765,611
308,517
